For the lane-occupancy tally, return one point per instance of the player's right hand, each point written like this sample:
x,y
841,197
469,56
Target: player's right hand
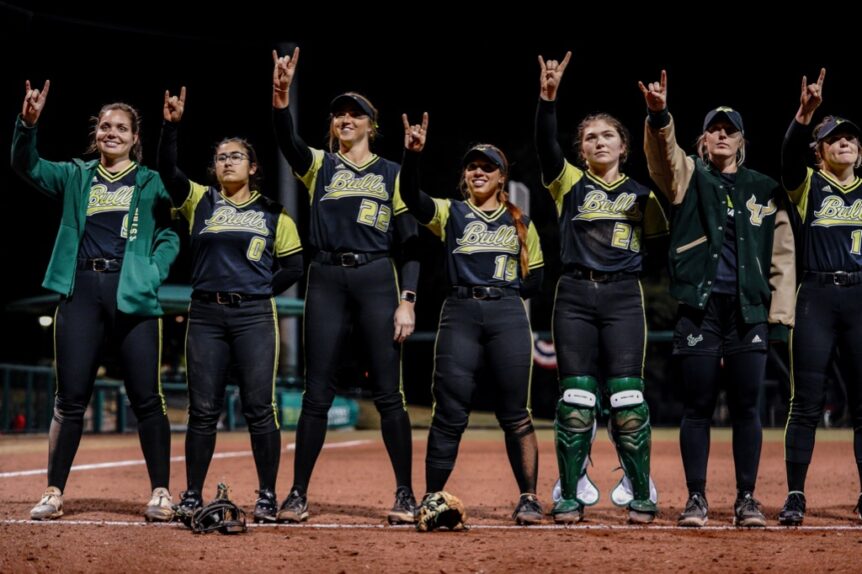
x,y
34,101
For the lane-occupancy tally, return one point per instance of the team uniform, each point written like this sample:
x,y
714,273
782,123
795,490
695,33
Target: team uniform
x,y
358,222
828,305
242,253
731,269
113,250
599,326
483,321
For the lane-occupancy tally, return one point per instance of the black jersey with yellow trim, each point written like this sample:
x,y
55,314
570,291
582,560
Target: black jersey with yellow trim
x,y
106,229
830,222
235,246
482,248
602,225
352,206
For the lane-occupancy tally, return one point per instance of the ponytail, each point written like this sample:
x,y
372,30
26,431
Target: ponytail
x,y
516,214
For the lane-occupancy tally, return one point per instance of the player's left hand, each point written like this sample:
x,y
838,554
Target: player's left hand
x,y
405,321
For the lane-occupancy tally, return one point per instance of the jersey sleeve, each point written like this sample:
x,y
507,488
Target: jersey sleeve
x,y
398,205
437,225
187,209
655,220
286,236
309,177
534,248
564,184
799,196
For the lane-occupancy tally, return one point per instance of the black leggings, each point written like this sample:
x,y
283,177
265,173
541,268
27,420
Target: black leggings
x,y
599,328
83,321
365,299
701,378
495,333
828,319
244,335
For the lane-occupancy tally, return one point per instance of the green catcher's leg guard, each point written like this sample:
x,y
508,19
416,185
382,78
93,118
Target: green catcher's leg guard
x,y
631,432
573,430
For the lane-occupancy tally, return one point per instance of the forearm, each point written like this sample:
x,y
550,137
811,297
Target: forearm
x,y
174,179
551,158
289,272
793,151
419,203
295,151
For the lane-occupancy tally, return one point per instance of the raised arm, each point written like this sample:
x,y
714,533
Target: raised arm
x,y
174,179
551,158
795,146
668,165
296,151
417,201
47,176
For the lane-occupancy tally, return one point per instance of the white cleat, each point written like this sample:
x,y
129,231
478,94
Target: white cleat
x,y
50,506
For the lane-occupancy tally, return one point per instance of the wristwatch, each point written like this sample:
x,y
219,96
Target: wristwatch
x,y
408,296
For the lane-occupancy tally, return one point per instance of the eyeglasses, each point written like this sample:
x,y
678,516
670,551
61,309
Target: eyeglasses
x,y
233,157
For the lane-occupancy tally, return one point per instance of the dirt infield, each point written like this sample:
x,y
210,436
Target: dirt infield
x,y
352,489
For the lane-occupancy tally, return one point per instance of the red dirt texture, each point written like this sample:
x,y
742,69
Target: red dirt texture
x,y
353,488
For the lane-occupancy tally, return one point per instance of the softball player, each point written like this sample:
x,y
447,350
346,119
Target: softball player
x,y
731,246
829,301
113,250
245,249
357,221
493,260
599,322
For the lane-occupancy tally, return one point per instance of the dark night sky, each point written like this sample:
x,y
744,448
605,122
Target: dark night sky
x,y
477,76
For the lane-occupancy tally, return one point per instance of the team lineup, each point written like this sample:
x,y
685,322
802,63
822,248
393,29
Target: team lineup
x,y
750,258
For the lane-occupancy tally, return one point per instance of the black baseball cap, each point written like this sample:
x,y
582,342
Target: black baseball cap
x,y
351,98
723,113
488,152
834,123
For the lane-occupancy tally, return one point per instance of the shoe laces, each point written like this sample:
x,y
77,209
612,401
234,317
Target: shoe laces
x,y
295,500
190,499
795,502
51,497
747,505
161,497
265,495
528,503
696,502
404,498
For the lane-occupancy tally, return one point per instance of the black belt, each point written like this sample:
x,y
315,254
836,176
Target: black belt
x,y
100,264
841,278
347,258
483,292
598,276
225,297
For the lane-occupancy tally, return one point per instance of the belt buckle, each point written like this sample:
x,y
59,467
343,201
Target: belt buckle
x,y
597,276
479,292
347,259
228,298
100,264
841,278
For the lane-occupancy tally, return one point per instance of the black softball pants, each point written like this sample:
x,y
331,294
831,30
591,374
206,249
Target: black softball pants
x,y
82,323
599,328
828,319
338,299
474,332
243,335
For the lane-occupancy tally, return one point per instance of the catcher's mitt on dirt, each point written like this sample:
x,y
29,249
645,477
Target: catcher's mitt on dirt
x,y
441,509
221,514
